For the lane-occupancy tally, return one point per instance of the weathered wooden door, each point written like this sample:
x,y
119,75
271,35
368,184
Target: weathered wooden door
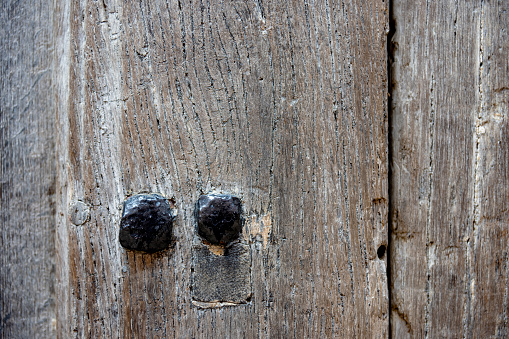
x,y
282,105
368,210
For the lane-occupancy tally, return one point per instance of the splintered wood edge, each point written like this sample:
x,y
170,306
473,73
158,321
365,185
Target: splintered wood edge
x,y
216,304
216,249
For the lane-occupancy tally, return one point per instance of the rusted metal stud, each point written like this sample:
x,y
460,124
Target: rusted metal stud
x,y
147,223
219,218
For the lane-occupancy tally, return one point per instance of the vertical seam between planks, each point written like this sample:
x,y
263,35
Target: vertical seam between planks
x,y
389,60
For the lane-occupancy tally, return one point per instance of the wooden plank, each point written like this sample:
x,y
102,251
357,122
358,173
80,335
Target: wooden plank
x,y
282,104
434,99
446,262
27,171
489,253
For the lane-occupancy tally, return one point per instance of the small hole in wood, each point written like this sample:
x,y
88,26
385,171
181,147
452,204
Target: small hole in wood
x,y
380,251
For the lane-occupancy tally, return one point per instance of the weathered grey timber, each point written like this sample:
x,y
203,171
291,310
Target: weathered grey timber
x,y
449,252
27,170
282,104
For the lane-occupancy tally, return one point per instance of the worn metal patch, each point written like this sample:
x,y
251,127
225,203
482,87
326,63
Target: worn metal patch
x,y
221,279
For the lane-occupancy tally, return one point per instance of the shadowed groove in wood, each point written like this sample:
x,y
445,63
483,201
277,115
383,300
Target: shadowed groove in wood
x,y
281,104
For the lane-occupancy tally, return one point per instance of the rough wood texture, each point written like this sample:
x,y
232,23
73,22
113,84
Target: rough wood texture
x,y
27,170
449,193
489,245
280,103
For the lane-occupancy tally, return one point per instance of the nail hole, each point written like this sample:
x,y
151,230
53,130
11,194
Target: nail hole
x,y
380,251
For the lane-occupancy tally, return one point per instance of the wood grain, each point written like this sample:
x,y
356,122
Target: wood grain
x,y
489,251
280,103
448,170
27,170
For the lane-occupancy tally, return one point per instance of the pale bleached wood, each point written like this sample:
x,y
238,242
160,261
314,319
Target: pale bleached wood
x,y
449,147
27,171
280,103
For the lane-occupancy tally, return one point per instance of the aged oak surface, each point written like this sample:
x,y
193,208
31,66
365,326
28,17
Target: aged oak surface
x,y
282,104
27,170
449,266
